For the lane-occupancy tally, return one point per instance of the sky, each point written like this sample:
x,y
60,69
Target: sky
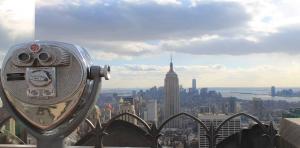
x,y
221,43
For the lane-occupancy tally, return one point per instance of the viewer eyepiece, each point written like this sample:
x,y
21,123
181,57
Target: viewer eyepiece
x,y
24,57
44,56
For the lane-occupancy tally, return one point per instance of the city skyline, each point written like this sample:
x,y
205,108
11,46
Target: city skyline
x,y
255,46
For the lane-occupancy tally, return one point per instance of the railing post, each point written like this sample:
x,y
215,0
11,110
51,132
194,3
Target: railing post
x,y
100,133
155,134
211,136
272,135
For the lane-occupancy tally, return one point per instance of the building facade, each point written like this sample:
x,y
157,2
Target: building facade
x,y
127,106
172,97
258,108
150,115
231,127
106,113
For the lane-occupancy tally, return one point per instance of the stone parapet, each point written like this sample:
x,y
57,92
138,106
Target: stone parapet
x,y
290,133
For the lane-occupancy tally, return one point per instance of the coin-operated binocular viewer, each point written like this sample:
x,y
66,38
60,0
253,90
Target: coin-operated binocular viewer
x,y
49,87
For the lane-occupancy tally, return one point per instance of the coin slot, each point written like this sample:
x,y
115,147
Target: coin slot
x,y
15,76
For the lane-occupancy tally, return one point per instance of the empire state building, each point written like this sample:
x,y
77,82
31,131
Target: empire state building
x,y
172,100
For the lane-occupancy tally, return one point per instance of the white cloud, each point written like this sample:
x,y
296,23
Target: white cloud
x,y
110,50
285,40
16,22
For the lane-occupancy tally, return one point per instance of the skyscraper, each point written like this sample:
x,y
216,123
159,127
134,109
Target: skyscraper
x,y
232,105
172,100
258,108
273,91
194,84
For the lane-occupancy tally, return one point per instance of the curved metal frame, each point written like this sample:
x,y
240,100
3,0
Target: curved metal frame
x,y
214,132
89,122
174,117
241,114
183,114
129,114
100,131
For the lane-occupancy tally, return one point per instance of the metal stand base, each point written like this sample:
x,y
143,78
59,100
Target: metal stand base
x,y
55,143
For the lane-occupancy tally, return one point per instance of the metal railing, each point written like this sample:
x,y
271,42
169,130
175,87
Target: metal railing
x,y
154,133
211,131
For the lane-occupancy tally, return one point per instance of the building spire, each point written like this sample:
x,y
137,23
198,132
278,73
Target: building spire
x,y
171,63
